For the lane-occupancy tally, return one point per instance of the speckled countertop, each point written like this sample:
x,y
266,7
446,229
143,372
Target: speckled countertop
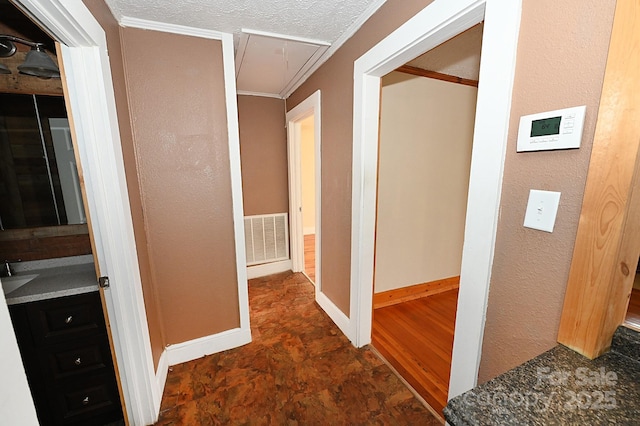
x,y
559,387
55,278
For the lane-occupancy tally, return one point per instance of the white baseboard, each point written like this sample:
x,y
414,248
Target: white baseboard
x,y
161,379
268,269
336,315
309,231
197,348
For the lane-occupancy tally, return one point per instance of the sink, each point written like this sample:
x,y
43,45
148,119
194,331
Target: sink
x,y
13,283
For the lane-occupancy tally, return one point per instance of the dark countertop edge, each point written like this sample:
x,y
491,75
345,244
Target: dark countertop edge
x,y
456,414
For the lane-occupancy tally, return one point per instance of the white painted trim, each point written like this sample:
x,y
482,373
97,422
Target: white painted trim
x,y
314,41
92,105
306,108
336,315
262,94
353,28
197,348
161,376
236,182
234,144
145,24
265,269
435,24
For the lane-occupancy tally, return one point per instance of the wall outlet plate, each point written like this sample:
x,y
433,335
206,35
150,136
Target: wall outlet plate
x,y
542,209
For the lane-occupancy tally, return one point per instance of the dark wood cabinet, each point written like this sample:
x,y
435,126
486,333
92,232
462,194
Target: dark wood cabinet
x,y
67,357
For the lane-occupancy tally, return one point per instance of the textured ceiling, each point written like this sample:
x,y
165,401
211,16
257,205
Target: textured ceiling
x,y
327,22
324,20
330,21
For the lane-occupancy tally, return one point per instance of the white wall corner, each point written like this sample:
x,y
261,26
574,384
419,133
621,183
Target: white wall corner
x,y
336,315
161,379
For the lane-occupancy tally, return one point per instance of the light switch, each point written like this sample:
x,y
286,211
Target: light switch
x,y
541,210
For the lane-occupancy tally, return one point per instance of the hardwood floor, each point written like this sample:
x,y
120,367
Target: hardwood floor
x,y
298,370
633,312
310,256
416,337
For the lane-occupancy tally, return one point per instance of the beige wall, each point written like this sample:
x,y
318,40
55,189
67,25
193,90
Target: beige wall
x,y
102,14
560,63
426,134
263,153
531,268
335,80
178,116
308,175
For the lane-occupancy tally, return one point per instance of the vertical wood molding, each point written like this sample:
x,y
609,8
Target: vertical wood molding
x,y
608,239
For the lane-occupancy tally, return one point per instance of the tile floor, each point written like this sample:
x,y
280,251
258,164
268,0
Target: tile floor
x,y
299,370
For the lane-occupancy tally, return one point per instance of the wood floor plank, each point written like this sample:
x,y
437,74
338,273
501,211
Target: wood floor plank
x,y
310,256
633,311
416,337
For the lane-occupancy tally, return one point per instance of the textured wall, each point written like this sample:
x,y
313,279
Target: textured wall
x,y
112,31
561,59
560,64
335,80
263,154
426,134
178,115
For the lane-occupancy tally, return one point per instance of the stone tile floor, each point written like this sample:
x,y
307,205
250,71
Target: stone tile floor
x,y
298,370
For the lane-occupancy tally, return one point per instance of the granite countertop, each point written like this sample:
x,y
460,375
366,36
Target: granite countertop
x,y
56,278
559,387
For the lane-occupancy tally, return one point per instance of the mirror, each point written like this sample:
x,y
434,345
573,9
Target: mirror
x,y
39,184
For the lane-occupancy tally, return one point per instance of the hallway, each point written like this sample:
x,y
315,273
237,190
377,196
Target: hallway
x,y
299,369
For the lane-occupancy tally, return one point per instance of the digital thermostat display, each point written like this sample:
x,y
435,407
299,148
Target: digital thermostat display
x,y
561,129
546,127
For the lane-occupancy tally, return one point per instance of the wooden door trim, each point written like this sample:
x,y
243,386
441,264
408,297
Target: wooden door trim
x,y
608,239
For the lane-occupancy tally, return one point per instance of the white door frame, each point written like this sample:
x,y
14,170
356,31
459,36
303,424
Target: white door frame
x,y
92,106
438,22
93,113
309,107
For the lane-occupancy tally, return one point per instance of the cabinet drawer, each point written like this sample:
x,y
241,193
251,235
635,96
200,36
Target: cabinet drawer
x,y
75,358
93,398
57,320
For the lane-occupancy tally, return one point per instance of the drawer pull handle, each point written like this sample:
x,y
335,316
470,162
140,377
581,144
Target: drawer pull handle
x,y
85,401
78,361
69,319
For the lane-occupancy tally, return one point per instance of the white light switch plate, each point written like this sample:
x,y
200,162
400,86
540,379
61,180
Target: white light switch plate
x,y
541,210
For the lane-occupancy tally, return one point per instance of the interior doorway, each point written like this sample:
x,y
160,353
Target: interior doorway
x,y
429,28
304,151
427,114
308,195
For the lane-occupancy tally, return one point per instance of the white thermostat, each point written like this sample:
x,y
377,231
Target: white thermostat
x,y
560,129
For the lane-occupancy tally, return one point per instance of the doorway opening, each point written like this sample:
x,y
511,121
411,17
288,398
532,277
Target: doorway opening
x,y
438,22
49,274
308,195
304,151
427,113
